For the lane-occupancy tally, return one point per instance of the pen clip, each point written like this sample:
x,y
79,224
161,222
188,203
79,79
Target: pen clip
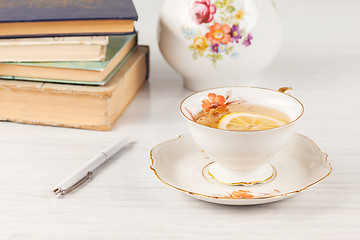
x,y
73,187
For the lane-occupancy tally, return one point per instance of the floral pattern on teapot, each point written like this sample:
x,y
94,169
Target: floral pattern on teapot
x,y
222,29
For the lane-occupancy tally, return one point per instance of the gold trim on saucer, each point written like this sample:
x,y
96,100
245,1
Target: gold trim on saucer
x,y
240,199
244,184
285,89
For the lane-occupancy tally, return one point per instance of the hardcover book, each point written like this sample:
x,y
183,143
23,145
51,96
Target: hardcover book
x,y
65,105
92,48
73,72
19,18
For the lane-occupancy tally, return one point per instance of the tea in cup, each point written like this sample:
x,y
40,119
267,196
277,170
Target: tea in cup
x,y
241,129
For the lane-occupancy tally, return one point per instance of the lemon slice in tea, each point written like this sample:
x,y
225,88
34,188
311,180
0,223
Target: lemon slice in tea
x,y
241,121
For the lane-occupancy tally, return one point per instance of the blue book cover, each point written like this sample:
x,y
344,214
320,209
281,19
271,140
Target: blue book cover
x,y
65,10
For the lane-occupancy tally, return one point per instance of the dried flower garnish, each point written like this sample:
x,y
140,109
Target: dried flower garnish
x,y
191,115
213,101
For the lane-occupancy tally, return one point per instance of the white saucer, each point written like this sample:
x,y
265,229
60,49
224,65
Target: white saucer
x,y
179,163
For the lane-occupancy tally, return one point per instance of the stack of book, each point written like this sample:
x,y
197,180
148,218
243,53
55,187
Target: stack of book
x,y
71,63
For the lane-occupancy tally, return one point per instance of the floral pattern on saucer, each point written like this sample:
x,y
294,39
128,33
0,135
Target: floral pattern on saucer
x,y
244,194
222,29
178,163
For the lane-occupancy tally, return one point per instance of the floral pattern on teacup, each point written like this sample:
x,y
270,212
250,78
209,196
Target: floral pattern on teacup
x,y
220,32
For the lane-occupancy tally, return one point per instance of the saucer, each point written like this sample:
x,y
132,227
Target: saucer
x,y
180,164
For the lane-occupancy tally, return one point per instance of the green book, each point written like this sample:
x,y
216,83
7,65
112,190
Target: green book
x,y
118,51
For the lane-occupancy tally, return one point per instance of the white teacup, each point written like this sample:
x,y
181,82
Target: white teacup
x,y
243,157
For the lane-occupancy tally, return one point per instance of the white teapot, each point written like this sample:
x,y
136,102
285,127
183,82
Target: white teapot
x,y
213,43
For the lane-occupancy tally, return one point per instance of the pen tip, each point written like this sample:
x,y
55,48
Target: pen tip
x,y
57,191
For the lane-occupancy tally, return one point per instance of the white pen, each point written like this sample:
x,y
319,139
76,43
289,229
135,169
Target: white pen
x,y
82,174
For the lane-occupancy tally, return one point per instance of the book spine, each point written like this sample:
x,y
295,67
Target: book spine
x,y
84,107
69,35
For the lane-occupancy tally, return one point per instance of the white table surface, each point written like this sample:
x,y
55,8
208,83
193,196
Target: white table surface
x,y
320,59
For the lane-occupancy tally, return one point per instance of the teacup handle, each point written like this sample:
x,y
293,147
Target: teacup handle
x,y
286,90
